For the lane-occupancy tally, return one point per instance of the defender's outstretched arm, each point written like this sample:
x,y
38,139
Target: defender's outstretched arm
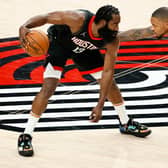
x,y
136,34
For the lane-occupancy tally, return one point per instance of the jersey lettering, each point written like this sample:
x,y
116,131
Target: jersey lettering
x,y
83,43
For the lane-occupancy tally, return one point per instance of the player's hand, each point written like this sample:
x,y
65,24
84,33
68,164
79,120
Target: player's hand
x,y
96,114
23,31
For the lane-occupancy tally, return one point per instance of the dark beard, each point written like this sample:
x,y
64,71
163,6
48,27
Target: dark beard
x,y
107,34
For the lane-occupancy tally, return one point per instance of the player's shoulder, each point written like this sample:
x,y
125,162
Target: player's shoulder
x,y
77,13
80,13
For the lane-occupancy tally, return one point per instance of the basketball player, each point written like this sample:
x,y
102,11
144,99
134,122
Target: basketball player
x,y
159,21
80,35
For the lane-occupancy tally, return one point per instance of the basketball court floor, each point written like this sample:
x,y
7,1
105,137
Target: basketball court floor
x,y
64,138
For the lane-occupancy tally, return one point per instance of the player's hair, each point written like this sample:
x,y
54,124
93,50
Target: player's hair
x,y
105,12
161,13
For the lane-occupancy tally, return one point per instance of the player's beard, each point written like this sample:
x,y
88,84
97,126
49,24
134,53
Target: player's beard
x,y
107,34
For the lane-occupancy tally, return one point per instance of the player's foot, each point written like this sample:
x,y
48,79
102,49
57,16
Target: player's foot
x,y
135,128
25,147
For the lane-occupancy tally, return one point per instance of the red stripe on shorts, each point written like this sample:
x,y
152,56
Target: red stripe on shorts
x,y
58,68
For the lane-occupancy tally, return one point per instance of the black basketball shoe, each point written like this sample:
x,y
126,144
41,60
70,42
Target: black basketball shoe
x,y
135,128
25,147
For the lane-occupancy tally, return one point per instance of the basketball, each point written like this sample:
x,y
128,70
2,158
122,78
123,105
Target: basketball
x,y
36,43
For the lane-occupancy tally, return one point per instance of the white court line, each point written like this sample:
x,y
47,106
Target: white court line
x,y
76,88
83,105
65,96
84,113
88,123
68,97
151,81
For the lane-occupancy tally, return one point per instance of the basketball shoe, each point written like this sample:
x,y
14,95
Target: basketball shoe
x,y
135,128
25,147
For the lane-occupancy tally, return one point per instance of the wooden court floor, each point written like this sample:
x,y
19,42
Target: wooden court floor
x,y
88,149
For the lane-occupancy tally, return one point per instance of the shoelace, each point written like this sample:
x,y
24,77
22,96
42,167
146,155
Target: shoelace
x,y
138,125
26,142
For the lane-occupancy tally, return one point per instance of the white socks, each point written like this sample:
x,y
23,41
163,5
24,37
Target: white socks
x,y
121,110
32,120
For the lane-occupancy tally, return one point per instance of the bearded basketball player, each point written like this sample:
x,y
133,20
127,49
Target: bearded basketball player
x,y
79,35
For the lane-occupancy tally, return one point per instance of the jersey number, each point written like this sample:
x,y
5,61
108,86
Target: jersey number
x,y
78,50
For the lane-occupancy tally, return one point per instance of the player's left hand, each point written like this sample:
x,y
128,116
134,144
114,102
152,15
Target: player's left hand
x,y
96,114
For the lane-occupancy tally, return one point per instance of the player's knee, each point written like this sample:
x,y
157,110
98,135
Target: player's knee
x,y
46,93
48,88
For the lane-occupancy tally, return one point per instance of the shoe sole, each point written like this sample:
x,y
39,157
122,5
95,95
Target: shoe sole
x,y
141,135
26,153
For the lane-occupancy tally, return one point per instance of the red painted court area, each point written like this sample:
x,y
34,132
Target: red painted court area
x,y
148,53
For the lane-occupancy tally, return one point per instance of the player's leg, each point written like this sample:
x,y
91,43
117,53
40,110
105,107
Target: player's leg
x,y
94,67
127,125
39,105
54,65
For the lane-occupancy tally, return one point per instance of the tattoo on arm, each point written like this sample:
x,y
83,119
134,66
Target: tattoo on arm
x,y
136,34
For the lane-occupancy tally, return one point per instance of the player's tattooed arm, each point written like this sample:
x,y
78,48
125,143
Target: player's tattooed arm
x,y
136,34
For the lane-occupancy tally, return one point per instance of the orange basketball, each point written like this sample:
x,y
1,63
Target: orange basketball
x,y
36,43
